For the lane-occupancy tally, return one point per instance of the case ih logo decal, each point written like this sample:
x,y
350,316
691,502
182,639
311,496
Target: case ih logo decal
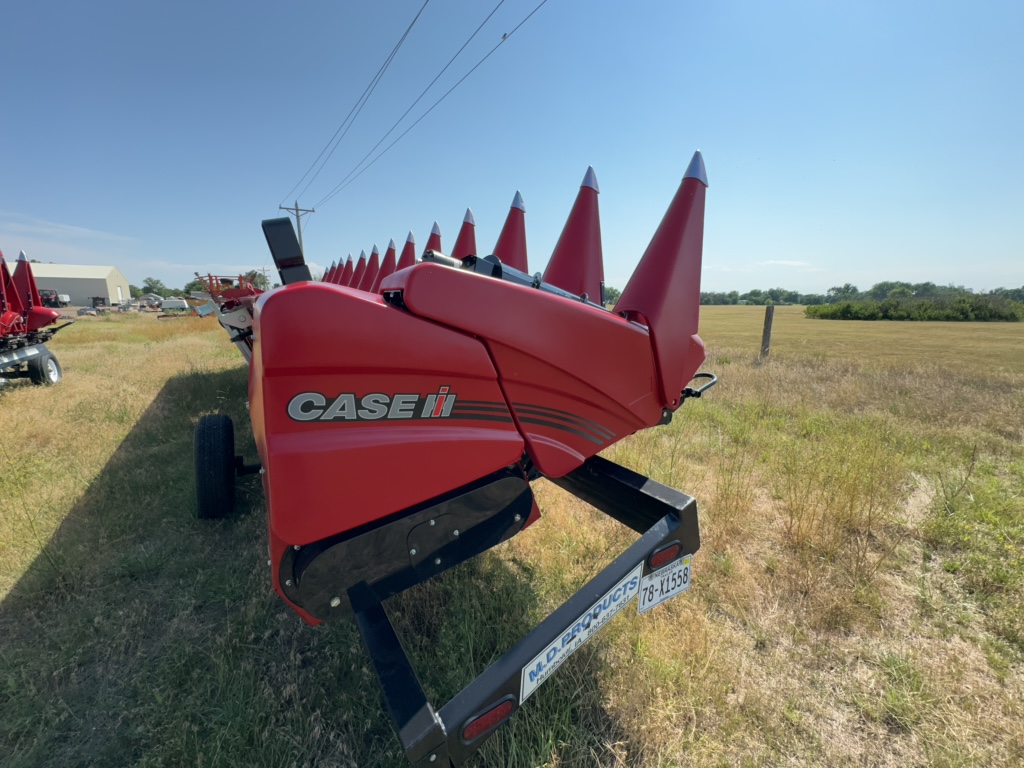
x,y
312,406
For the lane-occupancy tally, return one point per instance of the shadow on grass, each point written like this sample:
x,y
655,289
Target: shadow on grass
x,y
142,636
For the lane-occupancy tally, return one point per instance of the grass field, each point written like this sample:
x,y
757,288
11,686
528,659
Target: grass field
x,y
857,598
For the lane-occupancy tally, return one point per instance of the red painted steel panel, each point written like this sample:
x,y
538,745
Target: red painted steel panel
x,y
664,291
324,477
465,243
408,257
357,273
577,263
345,277
372,267
578,378
387,266
511,245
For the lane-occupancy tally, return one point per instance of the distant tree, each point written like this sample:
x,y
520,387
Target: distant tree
x,y
1013,294
711,297
964,306
925,290
759,297
258,279
194,285
902,292
611,295
880,291
153,285
756,296
135,291
783,296
845,292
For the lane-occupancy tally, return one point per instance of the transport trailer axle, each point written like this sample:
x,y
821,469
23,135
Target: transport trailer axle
x,y
667,522
33,361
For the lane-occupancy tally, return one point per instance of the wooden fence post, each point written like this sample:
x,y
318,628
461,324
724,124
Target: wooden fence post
x,y
766,336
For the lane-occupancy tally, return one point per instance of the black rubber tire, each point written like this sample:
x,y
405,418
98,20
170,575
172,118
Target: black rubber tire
x,y
215,467
45,370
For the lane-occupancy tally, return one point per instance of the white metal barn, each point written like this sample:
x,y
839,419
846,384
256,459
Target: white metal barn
x,y
82,283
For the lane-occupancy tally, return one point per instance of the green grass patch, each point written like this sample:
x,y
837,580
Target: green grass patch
x,y
904,701
977,525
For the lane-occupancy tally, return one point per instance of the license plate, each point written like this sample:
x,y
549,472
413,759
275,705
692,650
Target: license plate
x,y
665,583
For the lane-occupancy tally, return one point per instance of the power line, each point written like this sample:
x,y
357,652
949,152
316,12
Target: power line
x,y
504,38
354,112
383,69
424,92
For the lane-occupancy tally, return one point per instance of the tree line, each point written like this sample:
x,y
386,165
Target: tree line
x,y
759,297
920,301
890,299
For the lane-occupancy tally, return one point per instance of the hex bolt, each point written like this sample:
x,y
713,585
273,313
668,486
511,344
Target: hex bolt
x,y
263,471
433,522
455,532
335,602
296,547
437,561
288,583
270,563
517,518
433,758
412,551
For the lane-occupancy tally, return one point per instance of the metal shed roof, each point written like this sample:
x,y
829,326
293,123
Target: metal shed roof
x,y
72,270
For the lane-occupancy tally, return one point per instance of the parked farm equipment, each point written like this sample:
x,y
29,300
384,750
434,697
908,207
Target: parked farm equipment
x,y
231,299
400,423
25,327
51,298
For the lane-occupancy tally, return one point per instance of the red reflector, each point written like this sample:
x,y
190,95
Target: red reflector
x,y
489,720
665,556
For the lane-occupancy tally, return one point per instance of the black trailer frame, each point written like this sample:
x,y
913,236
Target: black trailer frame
x,y
667,522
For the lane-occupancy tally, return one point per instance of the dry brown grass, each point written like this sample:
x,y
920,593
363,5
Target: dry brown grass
x,y
821,629
855,600
57,440
988,347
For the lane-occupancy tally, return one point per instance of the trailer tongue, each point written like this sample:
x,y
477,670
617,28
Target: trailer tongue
x,y
399,430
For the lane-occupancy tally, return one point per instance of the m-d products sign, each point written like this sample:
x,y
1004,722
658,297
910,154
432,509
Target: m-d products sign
x,y
577,633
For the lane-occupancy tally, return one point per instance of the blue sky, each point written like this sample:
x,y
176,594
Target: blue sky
x,y
844,142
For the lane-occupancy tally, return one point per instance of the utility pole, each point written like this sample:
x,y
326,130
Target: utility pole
x,y
297,212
